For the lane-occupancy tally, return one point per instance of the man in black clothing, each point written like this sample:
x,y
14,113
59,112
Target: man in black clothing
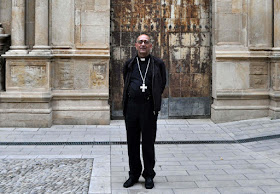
x,y
144,81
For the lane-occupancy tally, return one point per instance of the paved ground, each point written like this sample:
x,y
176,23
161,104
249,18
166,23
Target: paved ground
x,y
187,164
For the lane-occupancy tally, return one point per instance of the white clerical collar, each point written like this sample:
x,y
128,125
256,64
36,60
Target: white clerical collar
x,y
142,59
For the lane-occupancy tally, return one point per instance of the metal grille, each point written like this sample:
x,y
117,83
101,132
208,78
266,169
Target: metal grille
x,y
248,140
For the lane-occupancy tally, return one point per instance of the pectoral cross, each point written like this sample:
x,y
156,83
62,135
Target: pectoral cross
x,y
143,87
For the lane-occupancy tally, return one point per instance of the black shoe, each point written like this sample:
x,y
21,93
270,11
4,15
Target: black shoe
x,y
130,182
149,183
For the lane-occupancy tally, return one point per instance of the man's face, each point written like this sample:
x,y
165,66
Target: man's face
x,y
143,45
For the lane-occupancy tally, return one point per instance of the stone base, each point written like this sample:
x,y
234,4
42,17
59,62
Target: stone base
x,y
221,116
274,109
25,120
274,114
80,108
81,117
25,109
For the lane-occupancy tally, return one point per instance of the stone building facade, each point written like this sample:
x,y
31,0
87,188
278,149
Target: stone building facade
x,y
61,59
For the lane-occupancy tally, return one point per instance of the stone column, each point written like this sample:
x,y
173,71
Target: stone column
x,y
277,25
260,24
2,40
41,27
274,110
18,27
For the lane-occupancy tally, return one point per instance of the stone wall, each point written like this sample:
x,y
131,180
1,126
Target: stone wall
x,y
58,63
245,60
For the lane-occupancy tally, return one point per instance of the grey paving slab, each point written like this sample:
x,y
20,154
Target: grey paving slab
x,y
197,191
239,190
157,191
178,178
271,189
119,191
275,175
205,168
226,177
175,185
263,182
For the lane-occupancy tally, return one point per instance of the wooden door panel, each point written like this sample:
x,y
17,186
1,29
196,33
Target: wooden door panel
x,y
181,35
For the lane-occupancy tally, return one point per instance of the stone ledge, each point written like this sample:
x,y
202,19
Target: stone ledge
x,y
80,95
244,55
101,108
29,120
25,96
221,116
31,111
242,94
239,107
81,117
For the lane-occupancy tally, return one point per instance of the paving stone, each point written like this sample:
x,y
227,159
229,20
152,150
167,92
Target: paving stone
x,y
59,175
226,177
203,184
196,191
210,167
100,185
239,190
152,191
271,189
138,185
177,178
175,185
119,191
206,164
178,168
169,173
263,176
256,183
206,172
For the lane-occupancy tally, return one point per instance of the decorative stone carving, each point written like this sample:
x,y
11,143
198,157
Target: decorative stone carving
x,y
98,76
258,81
27,76
258,68
258,75
64,75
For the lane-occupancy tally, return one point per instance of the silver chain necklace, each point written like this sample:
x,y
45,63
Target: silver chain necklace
x,y
143,87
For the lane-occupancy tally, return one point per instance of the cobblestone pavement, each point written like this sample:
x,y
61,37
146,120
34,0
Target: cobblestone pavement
x,y
45,175
250,167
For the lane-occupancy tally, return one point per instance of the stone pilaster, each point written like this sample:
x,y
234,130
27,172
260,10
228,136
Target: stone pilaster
x,y
18,28
277,25
41,27
274,110
2,40
260,27
241,59
27,99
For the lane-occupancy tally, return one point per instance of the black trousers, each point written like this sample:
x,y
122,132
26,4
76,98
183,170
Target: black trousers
x,y
141,120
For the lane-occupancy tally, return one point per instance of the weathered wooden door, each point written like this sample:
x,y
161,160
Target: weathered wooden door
x,y
181,34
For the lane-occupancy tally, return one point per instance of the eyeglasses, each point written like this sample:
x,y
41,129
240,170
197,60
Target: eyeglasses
x,y
141,41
